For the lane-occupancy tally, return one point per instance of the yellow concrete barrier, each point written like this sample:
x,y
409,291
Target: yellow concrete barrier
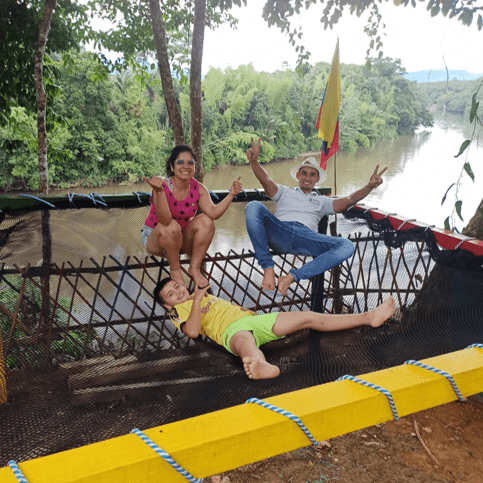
x,y
230,438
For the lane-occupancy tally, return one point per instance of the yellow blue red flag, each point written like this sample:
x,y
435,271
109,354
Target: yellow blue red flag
x,y
328,119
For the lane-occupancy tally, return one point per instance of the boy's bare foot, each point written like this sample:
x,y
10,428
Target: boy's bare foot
x,y
268,282
197,277
257,369
177,276
284,283
381,313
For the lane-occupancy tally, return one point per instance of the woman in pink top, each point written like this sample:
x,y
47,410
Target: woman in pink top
x,y
172,226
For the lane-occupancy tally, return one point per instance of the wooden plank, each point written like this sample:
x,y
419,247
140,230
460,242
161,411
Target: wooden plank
x,y
95,363
227,439
115,393
3,374
74,367
110,373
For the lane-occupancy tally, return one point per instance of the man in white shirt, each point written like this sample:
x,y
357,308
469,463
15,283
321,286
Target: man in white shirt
x,y
293,228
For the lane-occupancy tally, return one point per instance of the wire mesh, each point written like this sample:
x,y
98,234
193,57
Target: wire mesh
x,y
89,355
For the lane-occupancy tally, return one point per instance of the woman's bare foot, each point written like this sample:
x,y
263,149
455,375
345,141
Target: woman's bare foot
x,y
268,282
381,313
284,283
177,276
257,369
197,277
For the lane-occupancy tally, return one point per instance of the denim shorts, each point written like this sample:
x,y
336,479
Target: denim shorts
x,y
145,232
259,325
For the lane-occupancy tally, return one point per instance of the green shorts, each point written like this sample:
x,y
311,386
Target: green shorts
x,y
259,325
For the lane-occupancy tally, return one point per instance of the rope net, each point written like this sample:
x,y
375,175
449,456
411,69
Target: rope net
x,y
87,354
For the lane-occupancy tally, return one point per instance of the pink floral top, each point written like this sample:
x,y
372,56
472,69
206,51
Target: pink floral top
x,y
182,211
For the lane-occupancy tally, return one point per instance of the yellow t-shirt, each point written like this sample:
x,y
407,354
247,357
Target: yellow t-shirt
x,y
216,315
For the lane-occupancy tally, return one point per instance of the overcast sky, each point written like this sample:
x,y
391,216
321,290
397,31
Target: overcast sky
x,y
412,35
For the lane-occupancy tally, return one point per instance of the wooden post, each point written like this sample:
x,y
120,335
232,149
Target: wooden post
x,y
3,374
337,306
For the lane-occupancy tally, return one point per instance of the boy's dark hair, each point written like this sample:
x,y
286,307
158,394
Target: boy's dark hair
x,y
157,290
177,150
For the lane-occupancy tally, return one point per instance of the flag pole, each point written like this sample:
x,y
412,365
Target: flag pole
x,y
335,174
335,186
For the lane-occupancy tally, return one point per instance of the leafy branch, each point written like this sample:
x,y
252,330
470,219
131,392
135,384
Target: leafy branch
x,y
449,222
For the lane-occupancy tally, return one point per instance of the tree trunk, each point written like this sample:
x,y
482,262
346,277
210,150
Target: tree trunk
x,y
195,85
436,293
475,226
41,95
165,72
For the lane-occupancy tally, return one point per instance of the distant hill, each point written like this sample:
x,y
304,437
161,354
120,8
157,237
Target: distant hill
x,y
440,75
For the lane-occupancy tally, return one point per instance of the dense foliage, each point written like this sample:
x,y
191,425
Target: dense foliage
x,y
19,31
118,128
451,96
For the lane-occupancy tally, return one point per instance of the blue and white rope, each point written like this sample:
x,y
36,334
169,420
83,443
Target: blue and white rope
x,y
441,373
93,196
16,471
404,222
166,457
478,346
464,240
38,199
287,414
138,193
377,388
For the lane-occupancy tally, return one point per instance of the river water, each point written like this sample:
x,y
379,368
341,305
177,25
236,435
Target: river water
x,y
421,167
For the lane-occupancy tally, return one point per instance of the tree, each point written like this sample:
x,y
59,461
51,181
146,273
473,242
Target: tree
x,y
41,95
165,72
24,31
279,13
173,17
195,84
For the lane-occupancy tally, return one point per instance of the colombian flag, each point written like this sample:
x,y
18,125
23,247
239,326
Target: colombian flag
x,y
328,119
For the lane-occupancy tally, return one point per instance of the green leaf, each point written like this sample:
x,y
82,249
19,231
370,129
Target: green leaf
x,y
457,205
463,147
446,194
446,224
446,7
469,171
466,17
474,107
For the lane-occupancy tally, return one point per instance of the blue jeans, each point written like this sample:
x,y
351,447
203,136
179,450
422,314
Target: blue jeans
x,y
266,231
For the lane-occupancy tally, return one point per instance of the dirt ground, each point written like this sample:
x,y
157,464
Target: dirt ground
x,y
443,444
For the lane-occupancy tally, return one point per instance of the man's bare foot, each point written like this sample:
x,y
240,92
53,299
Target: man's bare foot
x,y
268,282
381,313
257,369
177,276
284,283
197,277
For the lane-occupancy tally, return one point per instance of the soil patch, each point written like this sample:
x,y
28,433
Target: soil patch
x,y
442,444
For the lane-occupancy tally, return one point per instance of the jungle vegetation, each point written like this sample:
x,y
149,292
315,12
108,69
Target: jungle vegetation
x,y
452,95
117,128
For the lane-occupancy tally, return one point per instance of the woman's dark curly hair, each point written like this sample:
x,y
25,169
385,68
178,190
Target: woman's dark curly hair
x,y
182,148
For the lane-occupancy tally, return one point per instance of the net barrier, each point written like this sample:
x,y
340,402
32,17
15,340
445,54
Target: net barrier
x,y
88,355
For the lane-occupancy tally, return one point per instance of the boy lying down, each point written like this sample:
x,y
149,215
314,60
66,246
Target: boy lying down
x,y
242,331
